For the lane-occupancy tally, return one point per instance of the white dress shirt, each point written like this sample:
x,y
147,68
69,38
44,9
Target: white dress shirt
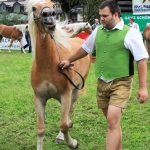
x,y
133,41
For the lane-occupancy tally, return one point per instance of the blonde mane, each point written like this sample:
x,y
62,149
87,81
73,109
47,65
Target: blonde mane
x,y
59,34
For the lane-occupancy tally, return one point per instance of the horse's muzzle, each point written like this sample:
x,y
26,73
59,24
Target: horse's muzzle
x,y
49,18
50,26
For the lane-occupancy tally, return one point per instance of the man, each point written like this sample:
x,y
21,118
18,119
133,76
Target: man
x,y
96,24
133,24
114,67
27,36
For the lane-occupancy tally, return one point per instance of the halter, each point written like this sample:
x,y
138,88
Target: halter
x,y
40,19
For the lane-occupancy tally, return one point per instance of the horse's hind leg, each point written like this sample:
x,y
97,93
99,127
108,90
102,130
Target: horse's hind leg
x,y
74,97
1,40
147,46
67,110
22,48
40,110
11,41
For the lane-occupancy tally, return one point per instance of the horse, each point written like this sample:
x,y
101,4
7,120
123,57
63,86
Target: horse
x,y
76,28
146,36
14,32
51,44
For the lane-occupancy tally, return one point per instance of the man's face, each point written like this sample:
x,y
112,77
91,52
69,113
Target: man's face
x,y
130,20
107,19
96,21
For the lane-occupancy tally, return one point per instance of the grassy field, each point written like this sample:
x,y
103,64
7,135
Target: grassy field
x,y
18,117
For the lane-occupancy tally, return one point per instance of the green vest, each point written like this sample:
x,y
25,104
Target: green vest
x,y
113,60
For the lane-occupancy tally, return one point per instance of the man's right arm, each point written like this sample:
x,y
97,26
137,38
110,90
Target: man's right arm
x,y
78,55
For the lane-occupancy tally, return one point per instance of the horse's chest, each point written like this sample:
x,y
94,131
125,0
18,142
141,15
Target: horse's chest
x,y
48,90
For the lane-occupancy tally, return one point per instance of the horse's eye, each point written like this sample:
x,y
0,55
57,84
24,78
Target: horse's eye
x,y
33,8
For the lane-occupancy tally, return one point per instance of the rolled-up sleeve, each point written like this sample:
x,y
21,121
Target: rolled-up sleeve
x,y
134,42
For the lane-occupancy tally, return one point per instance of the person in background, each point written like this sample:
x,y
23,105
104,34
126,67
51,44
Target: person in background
x,y
114,67
70,22
27,36
133,24
96,24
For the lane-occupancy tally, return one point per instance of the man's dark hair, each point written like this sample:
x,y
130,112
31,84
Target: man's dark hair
x,y
112,5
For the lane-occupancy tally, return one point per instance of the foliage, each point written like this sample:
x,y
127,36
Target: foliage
x,y
11,18
90,8
18,117
94,53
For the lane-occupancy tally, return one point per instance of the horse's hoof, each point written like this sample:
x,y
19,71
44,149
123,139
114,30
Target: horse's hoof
x,y
75,145
58,140
70,124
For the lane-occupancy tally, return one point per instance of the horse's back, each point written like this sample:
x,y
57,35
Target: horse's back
x,y
10,32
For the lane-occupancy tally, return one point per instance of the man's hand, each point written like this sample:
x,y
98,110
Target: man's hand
x,y
64,64
142,95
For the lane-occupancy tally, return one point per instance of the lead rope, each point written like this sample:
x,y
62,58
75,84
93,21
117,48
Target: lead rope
x,y
52,36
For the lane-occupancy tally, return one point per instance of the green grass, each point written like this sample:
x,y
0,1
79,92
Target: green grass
x,y
18,117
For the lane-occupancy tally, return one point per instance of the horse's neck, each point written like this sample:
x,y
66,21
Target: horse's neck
x,y
46,53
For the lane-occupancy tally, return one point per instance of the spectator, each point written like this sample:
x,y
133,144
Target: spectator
x,y
27,36
70,22
96,24
133,24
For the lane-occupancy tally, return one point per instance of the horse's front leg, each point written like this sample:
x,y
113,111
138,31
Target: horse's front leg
x,y
40,110
11,41
22,47
60,136
64,122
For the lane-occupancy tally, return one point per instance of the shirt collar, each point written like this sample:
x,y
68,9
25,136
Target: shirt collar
x,y
119,26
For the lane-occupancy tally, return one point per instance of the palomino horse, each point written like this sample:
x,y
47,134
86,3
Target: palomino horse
x,y
51,45
146,36
14,33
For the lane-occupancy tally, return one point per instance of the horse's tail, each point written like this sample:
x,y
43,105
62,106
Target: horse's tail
x,y
146,36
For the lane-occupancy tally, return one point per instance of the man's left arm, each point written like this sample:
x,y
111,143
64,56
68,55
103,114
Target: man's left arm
x,y
142,94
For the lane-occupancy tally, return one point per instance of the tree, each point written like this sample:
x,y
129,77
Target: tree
x,y
90,8
10,18
67,5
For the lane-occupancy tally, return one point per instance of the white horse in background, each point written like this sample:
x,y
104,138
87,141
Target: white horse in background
x,y
76,28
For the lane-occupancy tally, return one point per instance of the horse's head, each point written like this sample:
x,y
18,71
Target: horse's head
x,y
87,28
44,16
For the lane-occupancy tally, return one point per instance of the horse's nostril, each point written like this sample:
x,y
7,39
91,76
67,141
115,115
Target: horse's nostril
x,y
53,13
45,14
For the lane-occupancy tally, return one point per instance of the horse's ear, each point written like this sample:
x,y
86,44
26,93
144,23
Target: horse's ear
x,y
33,8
